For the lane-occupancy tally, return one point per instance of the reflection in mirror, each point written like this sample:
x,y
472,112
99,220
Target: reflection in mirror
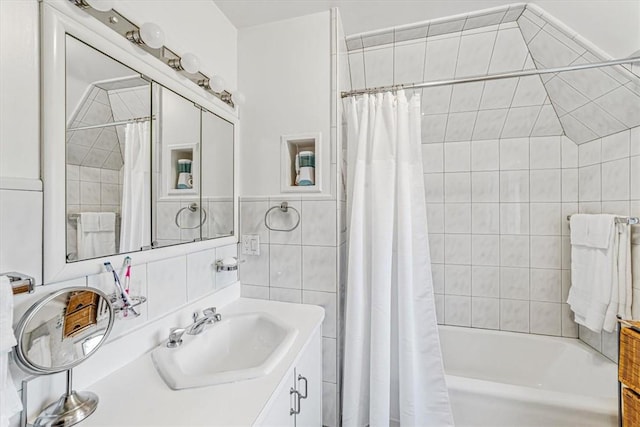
x,y
63,329
217,175
176,198
108,109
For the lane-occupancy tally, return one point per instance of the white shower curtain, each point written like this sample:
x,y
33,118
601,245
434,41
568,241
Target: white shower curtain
x,y
393,366
135,228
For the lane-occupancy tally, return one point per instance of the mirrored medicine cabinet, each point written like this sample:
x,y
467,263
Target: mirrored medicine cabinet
x,y
139,162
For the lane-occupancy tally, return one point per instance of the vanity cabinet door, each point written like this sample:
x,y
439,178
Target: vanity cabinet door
x,y
279,412
308,378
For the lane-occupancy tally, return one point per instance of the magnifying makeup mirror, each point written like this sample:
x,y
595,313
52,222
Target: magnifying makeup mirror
x,y
58,333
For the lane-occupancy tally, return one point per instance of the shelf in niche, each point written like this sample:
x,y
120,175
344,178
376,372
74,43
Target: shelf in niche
x,y
291,145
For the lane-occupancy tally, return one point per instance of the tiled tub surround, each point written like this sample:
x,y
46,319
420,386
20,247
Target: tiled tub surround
x,y
501,172
609,182
91,189
169,285
496,228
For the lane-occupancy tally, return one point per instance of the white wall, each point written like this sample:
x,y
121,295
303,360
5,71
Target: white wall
x,y
20,211
284,71
194,26
19,90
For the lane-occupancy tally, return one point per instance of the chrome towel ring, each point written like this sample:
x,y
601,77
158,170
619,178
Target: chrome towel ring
x,y
284,207
191,208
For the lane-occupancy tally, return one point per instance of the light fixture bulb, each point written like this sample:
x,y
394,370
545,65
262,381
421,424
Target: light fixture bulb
x,y
239,98
152,35
217,84
101,5
190,63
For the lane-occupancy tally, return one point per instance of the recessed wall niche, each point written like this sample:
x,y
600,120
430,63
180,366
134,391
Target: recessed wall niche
x,y
301,163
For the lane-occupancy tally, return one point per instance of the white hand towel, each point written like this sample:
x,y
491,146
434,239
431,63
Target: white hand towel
x,y
593,267
107,221
10,403
90,221
92,240
593,231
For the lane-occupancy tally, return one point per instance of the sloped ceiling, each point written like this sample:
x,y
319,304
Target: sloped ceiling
x,y
105,102
584,105
589,103
97,147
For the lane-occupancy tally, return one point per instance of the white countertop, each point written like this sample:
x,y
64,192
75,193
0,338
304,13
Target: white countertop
x,y
136,395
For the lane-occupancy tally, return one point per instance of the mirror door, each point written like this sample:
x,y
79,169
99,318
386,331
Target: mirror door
x,y
176,201
217,176
108,138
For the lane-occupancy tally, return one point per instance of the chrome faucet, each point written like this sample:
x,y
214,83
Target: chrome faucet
x,y
199,324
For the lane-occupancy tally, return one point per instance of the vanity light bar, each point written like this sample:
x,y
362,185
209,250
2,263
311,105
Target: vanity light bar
x,y
127,29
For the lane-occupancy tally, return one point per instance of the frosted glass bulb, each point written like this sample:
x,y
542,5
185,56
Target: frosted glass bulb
x,y
239,98
217,84
101,5
190,63
152,35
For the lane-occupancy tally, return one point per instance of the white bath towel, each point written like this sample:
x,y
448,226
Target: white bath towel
x,y
600,275
96,234
10,403
625,278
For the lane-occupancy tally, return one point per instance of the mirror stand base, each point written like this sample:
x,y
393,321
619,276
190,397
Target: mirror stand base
x,y
70,409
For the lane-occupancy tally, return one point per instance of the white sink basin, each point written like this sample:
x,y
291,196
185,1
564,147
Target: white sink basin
x,y
239,347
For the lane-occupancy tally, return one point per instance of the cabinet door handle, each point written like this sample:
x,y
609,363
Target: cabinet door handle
x,y
306,386
296,402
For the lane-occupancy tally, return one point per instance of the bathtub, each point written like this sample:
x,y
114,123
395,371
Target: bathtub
x,y
508,379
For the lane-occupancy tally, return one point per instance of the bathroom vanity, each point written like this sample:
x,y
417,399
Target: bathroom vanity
x,y
290,394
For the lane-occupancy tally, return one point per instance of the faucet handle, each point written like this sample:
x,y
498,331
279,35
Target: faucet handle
x,y
194,316
211,314
210,311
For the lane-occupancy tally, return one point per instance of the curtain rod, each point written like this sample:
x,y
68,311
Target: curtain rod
x,y
121,122
508,75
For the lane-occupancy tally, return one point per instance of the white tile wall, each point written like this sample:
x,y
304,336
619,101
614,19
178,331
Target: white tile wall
x,y
609,170
591,103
